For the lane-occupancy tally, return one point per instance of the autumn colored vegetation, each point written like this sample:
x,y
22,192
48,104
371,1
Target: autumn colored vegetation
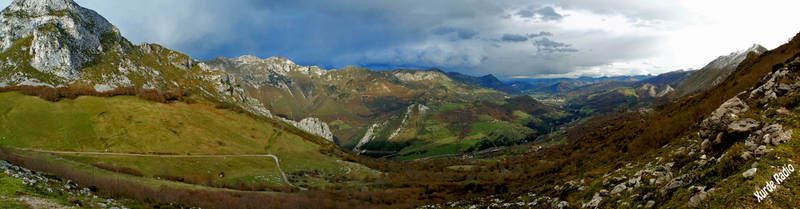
x,y
72,92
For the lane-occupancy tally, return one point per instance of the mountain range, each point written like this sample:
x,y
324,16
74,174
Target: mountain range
x,y
79,101
70,46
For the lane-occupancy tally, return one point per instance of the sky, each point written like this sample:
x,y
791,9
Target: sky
x,y
507,38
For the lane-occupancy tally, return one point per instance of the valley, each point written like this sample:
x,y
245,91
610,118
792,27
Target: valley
x,y
89,119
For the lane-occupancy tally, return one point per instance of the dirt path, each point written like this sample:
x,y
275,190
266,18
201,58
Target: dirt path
x,y
285,178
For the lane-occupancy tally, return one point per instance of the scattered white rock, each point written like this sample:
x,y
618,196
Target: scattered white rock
x,y
695,200
750,173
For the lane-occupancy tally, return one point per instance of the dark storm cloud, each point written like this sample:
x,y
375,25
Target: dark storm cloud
x,y
526,13
550,46
544,13
514,38
548,13
507,37
460,32
540,34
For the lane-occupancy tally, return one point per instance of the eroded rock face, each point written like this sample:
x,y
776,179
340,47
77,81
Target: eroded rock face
x,y
64,35
772,89
774,134
743,126
369,136
411,76
725,119
316,126
724,115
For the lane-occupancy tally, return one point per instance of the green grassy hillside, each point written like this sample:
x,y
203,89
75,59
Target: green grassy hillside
x,y
127,124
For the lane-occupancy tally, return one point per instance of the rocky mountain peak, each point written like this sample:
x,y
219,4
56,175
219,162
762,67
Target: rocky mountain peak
x,y
42,7
733,59
63,36
756,48
247,59
420,75
716,71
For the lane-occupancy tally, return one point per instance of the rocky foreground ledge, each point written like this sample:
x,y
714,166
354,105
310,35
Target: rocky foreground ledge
x,y
38,185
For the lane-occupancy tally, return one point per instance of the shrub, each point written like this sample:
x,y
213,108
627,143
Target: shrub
x,y
730,163
72,92
118,169
777,66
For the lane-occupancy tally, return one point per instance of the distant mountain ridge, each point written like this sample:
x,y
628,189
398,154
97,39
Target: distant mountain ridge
x,y
487,81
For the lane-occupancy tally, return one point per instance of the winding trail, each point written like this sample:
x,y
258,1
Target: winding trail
x,y
285,178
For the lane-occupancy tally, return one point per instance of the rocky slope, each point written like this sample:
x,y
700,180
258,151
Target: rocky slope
x,y
716,71
732,146
350,99
58,43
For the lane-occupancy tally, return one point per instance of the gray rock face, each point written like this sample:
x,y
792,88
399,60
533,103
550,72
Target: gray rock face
x,y
64,35
743,126
723,120
314,126
762,150
412,76
774,134
369,136
274,71
749,173
725,114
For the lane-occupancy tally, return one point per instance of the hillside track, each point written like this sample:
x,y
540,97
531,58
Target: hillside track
x,y
277,163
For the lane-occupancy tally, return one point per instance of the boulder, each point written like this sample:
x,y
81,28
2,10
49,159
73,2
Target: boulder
x,y
619,188
705,145
670,186
751,144
782,111
749,173
725,114
603,191
562,204
650,204
595,202
775,135
743,126
635,182
762,150
696,199
783,137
